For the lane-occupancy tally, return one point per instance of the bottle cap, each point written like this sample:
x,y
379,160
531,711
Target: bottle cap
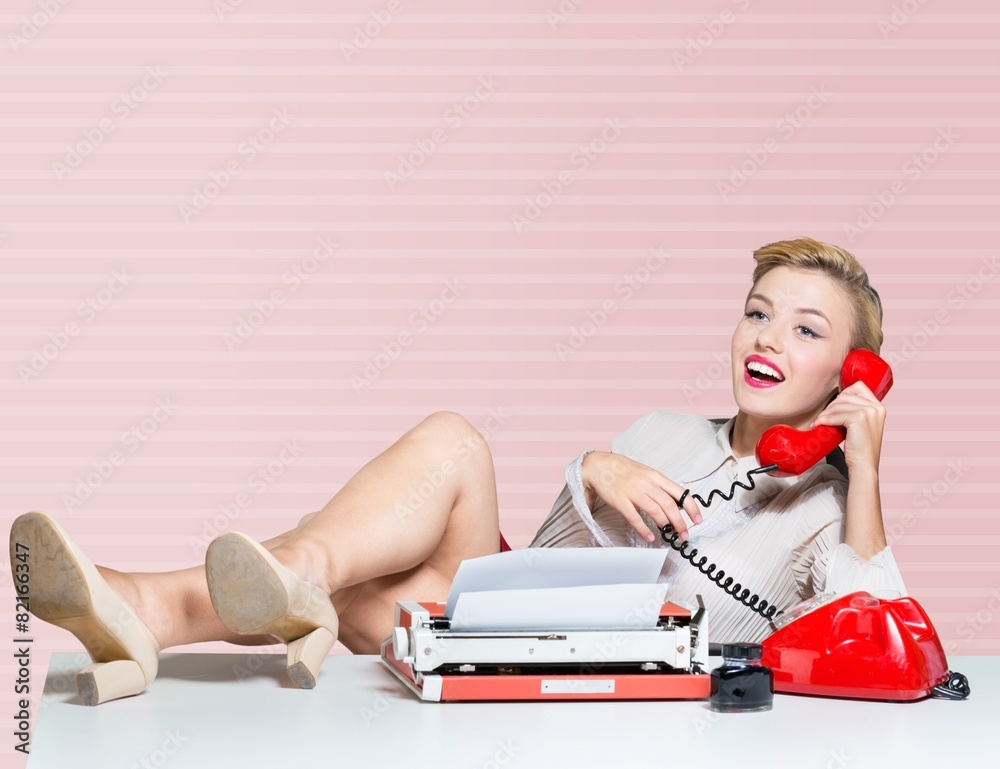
x,y
742,651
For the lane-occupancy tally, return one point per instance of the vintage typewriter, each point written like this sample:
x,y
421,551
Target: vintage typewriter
x,y
547,651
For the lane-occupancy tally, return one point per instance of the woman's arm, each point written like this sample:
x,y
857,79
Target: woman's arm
x,y
864,531
858,410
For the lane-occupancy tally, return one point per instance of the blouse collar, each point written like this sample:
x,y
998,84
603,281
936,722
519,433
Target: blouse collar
x,y
718,452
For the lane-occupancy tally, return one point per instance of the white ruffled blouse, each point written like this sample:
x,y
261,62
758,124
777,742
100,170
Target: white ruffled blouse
x,y
783,540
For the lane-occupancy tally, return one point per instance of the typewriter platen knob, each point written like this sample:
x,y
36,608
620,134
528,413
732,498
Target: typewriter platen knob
x,y
400,643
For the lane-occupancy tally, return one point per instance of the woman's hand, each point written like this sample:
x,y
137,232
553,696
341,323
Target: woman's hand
x,y
629,486
858,410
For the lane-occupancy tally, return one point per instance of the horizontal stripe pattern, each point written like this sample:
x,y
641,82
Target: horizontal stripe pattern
x,y
541,211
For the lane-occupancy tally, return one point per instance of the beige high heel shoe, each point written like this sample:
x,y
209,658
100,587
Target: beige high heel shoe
x,y
65,589
254,594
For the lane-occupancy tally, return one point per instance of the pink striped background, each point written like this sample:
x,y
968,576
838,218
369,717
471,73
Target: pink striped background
x,y
635,114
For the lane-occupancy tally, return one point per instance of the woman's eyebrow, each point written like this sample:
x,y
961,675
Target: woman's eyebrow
x,y
804,310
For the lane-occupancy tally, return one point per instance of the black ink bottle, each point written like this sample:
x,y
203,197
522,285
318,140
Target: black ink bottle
x,y
741,684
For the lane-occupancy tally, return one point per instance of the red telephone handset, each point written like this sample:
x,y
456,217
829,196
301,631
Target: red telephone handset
x,y
795,451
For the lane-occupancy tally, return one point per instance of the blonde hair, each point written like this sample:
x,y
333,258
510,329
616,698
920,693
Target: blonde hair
x,y
841,266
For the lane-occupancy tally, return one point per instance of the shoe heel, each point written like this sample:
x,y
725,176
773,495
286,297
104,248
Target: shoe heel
x,y
104,681
306,655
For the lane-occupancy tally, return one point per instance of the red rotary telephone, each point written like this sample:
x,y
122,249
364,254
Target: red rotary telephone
x,y
860,646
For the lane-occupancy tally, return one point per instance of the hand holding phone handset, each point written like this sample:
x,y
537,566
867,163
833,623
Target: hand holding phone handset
x,y
852,646
792,451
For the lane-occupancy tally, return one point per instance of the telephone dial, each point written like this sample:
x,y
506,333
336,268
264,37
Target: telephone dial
x,y
856,645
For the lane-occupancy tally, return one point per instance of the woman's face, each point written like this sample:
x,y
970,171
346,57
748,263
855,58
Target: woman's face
x,y
790,345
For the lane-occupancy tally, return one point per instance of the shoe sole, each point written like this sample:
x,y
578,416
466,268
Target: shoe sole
x,y
66,590
253,594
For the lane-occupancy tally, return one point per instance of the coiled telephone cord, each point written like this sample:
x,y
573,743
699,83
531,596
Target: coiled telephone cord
x,y
751,600
955,688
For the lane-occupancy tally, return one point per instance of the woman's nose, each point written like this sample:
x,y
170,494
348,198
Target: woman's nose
x,y
768,338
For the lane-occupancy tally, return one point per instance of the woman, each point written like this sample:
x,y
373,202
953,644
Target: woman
x,y
339,572
787,538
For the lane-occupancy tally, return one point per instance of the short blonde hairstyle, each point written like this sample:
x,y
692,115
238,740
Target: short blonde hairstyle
x,y
841,266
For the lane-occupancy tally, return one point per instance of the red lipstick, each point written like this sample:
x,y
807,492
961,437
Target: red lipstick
x,y
767,380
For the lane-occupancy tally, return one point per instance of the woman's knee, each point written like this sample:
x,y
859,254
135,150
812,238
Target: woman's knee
x,y
454,431
450,422
462,452
306,518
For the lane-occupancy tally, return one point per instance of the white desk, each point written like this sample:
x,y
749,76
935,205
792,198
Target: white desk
x,y
198,713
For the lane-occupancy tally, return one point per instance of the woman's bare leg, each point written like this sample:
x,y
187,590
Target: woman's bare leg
x,y
175,606
398,529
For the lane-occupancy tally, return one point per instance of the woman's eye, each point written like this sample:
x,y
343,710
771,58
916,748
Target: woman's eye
x,y
755,314
809,332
